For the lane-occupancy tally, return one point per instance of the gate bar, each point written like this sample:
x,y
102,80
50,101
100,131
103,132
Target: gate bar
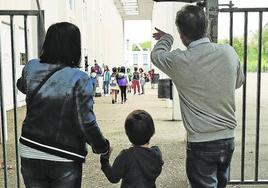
x,y
231,29
258,99
245,55
243,10
248,182
19,12
26,38
13,56
3,121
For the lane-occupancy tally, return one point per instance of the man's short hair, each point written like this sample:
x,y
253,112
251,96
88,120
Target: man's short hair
x,y
192,22
139,127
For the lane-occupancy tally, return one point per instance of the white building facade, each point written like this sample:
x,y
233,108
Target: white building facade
x,y
99,21
163,17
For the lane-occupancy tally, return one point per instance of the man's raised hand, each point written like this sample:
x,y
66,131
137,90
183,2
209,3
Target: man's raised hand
x,y
158,34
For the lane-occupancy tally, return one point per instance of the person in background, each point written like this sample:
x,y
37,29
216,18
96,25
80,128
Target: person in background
x,y
206,76
123,83
129,74
142,80
139,165
152,78
118,69
114,85
106,80
97,68
93,76
60,120
135,81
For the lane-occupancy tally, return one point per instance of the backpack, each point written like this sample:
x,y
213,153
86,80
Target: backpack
x,y
113,81
122,81
136,76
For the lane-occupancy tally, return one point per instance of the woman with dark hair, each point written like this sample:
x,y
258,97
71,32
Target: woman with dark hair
x,y
106,80
123,83
60,118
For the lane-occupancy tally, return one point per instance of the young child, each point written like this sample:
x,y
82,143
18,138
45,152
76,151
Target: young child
x,y
113,85
140,165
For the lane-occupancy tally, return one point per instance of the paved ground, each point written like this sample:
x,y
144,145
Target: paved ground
x,y
169,136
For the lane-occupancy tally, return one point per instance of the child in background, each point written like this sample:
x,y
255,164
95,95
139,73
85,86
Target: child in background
x,y
142,80
140,165
113,85
93,76
122,81
129,74
135,80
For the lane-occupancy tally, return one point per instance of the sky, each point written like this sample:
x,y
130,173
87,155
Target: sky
x,y
139,31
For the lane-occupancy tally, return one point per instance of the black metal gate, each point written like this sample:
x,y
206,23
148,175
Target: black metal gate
x,y
40,36
260,12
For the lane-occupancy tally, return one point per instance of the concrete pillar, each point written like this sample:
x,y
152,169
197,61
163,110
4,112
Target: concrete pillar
x,y
212,14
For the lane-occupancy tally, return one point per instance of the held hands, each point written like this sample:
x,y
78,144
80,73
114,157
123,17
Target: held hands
x,y
158,34
107,156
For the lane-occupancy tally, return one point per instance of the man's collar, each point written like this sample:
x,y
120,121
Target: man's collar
x,y
199,41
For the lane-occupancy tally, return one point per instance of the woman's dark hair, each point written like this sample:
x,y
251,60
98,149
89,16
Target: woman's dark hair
x,y
107,68
62,45
139,127
135,69
192,22
140,69
92,69
123,69
114,69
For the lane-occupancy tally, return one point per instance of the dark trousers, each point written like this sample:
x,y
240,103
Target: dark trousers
x,y
123,90
106,87
207,163
51,174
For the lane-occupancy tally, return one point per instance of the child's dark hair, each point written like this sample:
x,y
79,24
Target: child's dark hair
x,y
139,127
123,69
114,69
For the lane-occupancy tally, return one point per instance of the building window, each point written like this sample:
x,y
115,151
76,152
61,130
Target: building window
x,y
135,60
72,4
145,62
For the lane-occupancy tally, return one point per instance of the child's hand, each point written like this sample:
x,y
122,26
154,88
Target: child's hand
x,y
107,156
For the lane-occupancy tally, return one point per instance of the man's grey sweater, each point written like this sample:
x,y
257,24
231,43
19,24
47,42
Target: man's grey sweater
x,y
206,76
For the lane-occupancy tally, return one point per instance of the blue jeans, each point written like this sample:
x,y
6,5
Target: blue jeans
x,y
106,87
51,174
207,163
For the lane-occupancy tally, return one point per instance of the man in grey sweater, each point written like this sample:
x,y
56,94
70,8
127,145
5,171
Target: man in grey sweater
x,y
206,76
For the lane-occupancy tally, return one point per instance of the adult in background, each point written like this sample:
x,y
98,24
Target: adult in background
x,y
60,118
135,81
97,68
206,76
123,83
106,80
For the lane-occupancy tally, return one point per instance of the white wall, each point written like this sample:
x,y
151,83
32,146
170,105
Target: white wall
x,y
105,33
163,17
99,21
